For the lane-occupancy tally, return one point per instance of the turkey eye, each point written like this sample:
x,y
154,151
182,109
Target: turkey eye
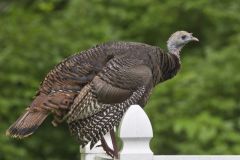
x,y
183,37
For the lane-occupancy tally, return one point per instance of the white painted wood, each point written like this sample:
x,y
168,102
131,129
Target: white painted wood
x,y
136,133
96,153
195,157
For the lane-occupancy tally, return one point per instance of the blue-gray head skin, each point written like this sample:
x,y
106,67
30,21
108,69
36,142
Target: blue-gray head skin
x,y
178,40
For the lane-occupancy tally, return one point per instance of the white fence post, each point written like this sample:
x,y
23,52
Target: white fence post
x,y
136,133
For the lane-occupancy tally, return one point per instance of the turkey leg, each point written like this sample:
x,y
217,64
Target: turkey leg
x,y
114,143
106,148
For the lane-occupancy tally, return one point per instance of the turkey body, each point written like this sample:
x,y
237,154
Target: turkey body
x,y
93,89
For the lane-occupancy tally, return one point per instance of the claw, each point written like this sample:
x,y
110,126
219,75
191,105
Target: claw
x,y
99,145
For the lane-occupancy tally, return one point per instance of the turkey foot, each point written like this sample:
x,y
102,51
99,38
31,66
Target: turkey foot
x,y
106,148
114,143
111,152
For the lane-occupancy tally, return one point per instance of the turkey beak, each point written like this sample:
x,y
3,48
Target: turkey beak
x,y
194,39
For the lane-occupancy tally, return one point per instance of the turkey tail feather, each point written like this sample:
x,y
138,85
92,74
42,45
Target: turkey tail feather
x,y
27,124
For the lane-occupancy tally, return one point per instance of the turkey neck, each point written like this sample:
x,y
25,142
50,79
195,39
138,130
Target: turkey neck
x,y
168,64
175,52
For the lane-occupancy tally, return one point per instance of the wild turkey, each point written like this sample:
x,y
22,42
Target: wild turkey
x,y
93,89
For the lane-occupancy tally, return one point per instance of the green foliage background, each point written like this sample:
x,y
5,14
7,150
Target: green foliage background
x,y
197,112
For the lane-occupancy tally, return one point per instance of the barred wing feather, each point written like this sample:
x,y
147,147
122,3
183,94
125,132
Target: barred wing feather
x,y
101,104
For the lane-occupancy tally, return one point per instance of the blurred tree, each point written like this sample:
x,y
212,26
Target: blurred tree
x,y
195,113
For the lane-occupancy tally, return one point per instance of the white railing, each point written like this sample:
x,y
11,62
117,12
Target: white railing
x,y
136,132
